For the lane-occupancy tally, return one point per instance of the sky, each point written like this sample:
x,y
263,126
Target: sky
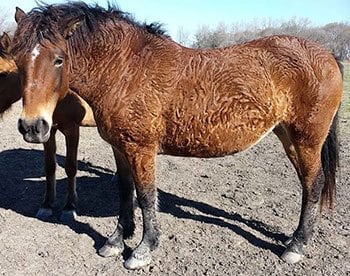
x,y
190,14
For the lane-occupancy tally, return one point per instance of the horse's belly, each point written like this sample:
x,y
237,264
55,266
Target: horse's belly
x,y
215,142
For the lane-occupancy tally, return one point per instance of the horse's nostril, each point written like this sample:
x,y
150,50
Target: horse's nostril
x,y
46,126
22,126
42,126
38,126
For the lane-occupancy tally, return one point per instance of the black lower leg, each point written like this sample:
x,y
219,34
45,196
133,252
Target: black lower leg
x,y
308,216
126,212
50,172
72,197
72,142
126,224
147,199
126,188
50,193
141,256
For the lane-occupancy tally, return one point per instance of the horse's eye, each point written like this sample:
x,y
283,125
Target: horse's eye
x,y
58,62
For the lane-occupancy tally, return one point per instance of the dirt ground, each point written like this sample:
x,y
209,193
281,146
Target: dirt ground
x,y
223,216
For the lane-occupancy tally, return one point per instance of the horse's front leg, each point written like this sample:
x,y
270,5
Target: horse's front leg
x,y
126,226
72,142
143,165
45,210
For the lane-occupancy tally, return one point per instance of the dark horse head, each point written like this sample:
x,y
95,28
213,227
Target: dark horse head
x,y
9,84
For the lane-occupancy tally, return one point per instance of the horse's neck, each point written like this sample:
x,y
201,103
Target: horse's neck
x,y
101,62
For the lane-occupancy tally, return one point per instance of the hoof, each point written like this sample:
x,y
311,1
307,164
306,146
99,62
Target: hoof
x,y
68,215
109,251
44,213
291,257
138,260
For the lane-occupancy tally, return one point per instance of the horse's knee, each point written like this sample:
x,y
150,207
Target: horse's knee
x,y
50,168
146,197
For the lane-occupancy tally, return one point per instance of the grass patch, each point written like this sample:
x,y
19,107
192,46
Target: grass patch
x,y
345,107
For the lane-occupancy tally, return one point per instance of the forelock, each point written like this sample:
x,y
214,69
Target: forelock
x,y
43,26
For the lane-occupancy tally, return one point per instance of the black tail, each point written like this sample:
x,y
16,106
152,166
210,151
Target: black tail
x,y
340,66
330,158
330,164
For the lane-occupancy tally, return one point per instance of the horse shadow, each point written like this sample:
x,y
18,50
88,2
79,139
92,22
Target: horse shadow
x,y
22,185
173,204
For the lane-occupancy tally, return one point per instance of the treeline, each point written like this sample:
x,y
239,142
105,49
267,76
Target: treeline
x,y
335,36
5,24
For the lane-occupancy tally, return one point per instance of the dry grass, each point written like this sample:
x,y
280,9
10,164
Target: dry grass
x,y
345,108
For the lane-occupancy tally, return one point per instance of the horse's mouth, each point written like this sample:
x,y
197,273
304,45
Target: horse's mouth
x,y
36,139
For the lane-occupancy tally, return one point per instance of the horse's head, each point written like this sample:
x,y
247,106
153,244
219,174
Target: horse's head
x,y
7,64
40,50
9,84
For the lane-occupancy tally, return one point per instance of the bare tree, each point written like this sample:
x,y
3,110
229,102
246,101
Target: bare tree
x,y
338,39
183,37
5,25
335,36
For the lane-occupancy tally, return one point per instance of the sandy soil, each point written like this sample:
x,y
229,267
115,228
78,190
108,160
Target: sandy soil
x,y
224,216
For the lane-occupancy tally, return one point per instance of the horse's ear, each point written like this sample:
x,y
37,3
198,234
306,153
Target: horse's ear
x,y
19,15
72,25
5,42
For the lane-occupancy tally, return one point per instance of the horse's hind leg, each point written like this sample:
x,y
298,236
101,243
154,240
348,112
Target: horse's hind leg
x,y
45,210
282,133
316,150
72,141
312,183
126,226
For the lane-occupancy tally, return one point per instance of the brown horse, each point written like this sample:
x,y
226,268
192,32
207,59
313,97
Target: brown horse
x,y
150,95
69,114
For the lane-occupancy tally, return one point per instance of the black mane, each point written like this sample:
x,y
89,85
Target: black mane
x,y
3,53
45,21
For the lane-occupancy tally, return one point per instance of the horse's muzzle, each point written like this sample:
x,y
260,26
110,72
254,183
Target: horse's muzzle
x,y
34,131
